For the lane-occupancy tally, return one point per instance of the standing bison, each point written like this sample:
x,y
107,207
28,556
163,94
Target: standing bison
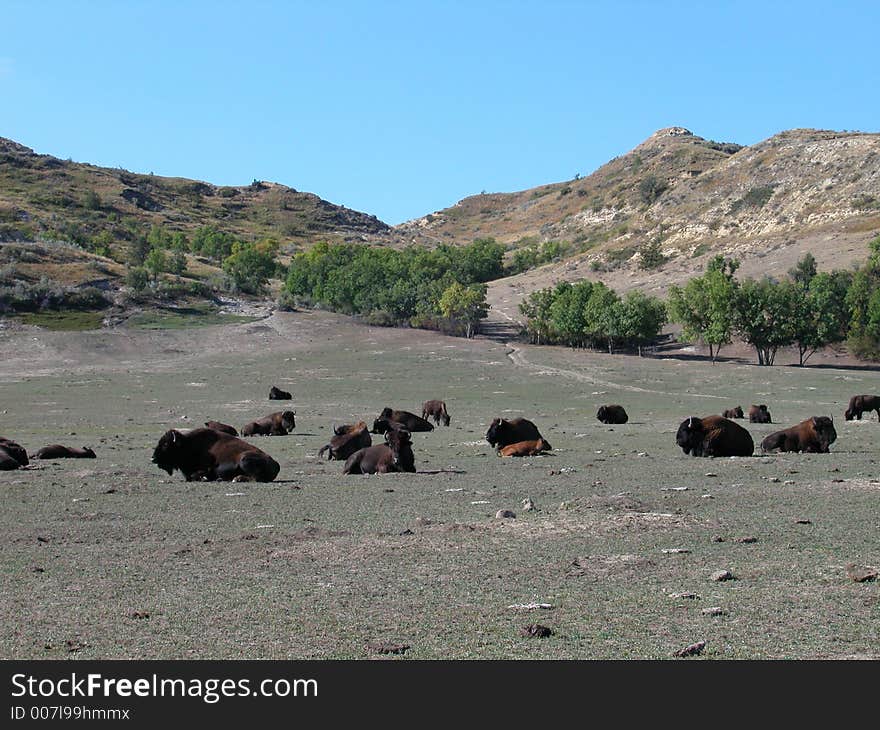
x,y
12,456
733,412
502,432
394,455
612,414
280,423
402,419
714,436
209,455
759,414
858,404
346,440
813,435
436,410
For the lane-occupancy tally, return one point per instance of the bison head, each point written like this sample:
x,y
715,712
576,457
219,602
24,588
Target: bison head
x,y
849,414
382,425
496,429
690,436
602,413
446,419
288,420
738,412
825,431
386,413
167,453
400,442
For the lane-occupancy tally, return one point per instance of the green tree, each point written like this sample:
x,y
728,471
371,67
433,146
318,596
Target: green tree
x,y
822,316
766,316
641,318
249,268
137,278
156,263
536,308
465,304
602,315
803,273
139,249
177,262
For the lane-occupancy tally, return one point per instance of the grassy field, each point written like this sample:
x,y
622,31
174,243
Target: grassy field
x,y
111,558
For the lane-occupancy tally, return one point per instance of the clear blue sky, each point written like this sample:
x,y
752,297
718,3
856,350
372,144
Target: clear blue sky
x,y
399,109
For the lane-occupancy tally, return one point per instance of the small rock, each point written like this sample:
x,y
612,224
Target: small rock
x,y
775,480
861,573
388,490
505,514
710,474
691,650
39,570
747,540
528,505
74,645
787,481
110,491
803,521
542,632
713,611
685,596
722,575
836,481
717,538
532,606
675,551
139,614
407,531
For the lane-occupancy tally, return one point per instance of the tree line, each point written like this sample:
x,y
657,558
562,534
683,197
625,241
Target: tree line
x,y
442,288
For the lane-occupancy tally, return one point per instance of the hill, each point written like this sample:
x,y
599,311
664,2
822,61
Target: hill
x,y
691,198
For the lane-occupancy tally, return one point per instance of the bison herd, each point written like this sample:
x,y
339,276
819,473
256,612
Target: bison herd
x,y
216,452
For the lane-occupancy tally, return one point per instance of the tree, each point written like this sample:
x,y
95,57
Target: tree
x,y
602,315
803,273
466,304
704,306
568,312
536,308
249,268
156,263
641,318
822,317
177,262
766,315
139,250
137,278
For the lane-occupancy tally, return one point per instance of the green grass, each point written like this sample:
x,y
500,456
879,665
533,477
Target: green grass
x,y
65,321
321,565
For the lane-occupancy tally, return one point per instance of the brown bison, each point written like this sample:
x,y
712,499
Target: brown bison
x,y
278,394
435,409
858,404
57,451
12,456
346,440
409,421
209,455
814,435
280,423
734,413
524,448
714,436
502,432
759,414
612,414
394,455
222,427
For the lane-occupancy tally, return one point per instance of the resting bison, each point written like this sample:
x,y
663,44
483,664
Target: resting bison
x,y
714,436
759,414
209,455
278,394
502,432
222,427
734,413
57,451
275,424
612,414
524,448
346,441
858,404
409,421
12,456
813,435
394,455
436,409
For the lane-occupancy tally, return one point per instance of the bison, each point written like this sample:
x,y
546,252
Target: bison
x,y
57,451
436,409
733,412
858,404
612,414
394,455
409,421
278,394
812,435
714,436
12,456
524,448
502,432
759,414
346,440
279,423
209,455
222,427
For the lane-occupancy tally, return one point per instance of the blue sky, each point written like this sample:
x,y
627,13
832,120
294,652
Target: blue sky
x,y
399,109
